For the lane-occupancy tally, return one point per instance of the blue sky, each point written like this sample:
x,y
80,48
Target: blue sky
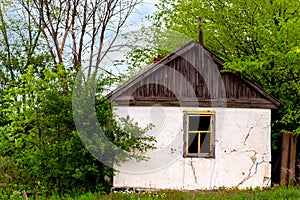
x,y
134,23
147,7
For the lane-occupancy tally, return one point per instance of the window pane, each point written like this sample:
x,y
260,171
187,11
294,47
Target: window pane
x,y
205,143
199,123
193,143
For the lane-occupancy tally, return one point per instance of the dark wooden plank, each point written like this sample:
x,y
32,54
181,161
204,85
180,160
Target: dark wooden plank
x,y
230,103
151,86
284,158
161,82
292,164
297,171
169,81
156,85
192,79
207,64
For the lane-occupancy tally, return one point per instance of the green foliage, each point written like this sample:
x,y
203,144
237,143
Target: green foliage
x,y
41,151
257,39
279,192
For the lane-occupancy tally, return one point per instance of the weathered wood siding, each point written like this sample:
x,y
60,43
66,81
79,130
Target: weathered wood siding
x,y
290,159
192,78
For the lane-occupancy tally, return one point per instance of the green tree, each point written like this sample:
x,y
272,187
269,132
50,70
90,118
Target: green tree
x,y
42,48
257,39
41,148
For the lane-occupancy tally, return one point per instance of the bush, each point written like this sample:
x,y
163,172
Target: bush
x,y
41,150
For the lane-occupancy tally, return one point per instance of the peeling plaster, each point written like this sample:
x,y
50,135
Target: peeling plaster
x,y
193,169
253,158
267,182
251,128
242,157
251,173
248,134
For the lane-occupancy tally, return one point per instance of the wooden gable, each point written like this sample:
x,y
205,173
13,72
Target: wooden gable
x,y
191,76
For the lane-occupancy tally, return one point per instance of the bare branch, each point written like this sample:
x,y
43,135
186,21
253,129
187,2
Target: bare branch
x,y
77,27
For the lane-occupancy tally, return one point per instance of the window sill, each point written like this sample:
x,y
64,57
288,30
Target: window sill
x,y
196,155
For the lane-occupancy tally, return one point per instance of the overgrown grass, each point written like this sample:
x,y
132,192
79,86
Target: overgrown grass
x,y
279,192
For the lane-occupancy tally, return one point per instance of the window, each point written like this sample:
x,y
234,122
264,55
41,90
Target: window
x,y
199,134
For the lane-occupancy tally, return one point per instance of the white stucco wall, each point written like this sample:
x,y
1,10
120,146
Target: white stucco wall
x,y
242,151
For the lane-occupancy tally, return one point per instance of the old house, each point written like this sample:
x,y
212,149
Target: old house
x,y
213,129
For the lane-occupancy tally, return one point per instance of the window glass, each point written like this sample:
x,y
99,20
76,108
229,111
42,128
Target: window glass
x,y
199,123
199,134
193,143
205,143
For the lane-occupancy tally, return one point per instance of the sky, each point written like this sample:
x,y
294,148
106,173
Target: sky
x,y
135,22
136,19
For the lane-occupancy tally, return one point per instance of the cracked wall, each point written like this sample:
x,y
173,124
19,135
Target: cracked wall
x,y
242,151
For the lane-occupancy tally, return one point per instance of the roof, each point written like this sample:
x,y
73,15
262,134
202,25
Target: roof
x,y
191,76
